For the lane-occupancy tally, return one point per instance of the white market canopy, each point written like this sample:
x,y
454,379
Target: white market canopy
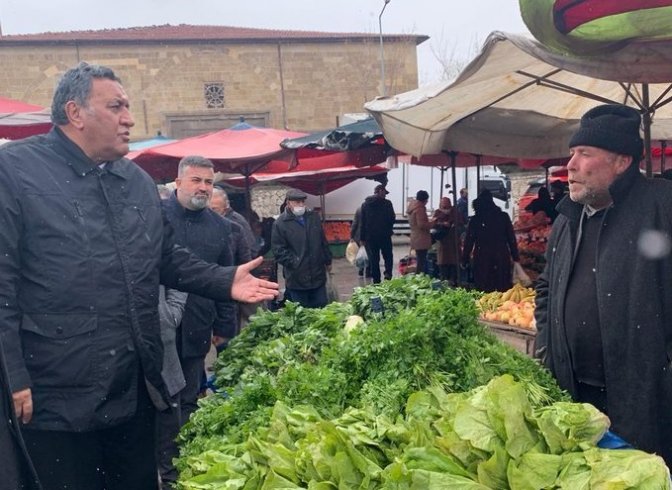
x,y
517,99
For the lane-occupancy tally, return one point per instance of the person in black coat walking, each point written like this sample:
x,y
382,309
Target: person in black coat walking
x,y
300,246
377,225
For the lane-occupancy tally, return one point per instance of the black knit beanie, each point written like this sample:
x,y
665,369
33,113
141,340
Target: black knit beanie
x,y
612,127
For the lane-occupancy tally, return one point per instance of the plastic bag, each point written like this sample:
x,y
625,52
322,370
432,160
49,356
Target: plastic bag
x,y
361,260
332,291
351,251
519,275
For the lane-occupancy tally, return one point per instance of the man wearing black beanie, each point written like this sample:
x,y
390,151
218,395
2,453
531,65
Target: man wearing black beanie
x,y
604,300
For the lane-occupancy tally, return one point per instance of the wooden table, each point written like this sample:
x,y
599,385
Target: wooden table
x,y
521,339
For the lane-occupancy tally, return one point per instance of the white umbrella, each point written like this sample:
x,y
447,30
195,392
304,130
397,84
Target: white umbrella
x,y
517,99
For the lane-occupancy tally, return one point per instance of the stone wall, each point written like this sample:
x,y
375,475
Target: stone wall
x,y
298,86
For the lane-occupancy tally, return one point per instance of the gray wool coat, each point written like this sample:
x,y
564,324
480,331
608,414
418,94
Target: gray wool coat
x,y
634,294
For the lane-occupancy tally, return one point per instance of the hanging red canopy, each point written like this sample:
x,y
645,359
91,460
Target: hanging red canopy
x,y
315,181
20,120
241,149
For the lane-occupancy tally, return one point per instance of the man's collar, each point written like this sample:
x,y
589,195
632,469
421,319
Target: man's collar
x,y
78,160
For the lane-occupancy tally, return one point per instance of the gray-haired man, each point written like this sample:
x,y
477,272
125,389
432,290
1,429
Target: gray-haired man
x,y
83,249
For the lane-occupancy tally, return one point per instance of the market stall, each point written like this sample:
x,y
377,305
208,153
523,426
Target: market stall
x,y
409,392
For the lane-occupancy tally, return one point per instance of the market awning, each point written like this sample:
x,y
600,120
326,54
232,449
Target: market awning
x,y
20,119
241,149
516,99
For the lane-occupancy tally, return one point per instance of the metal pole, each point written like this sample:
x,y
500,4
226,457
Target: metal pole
x,y
382,52
663,148
646,122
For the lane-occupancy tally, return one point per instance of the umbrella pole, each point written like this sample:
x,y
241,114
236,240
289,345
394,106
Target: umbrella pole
x,y
663,147
248,194
456,238
646,121
323,202
441,169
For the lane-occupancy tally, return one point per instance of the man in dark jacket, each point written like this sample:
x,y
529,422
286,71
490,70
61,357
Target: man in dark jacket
x,y
219,203
208,236
604,301
83,249
300,246
378,219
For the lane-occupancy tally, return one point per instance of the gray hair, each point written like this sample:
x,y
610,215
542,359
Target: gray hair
x,y
164,191
218,191
75,85
193,161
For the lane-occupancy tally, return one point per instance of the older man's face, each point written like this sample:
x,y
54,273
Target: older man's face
x,y
591,171
106,121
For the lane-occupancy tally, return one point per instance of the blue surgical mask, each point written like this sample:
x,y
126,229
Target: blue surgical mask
x,y
299,210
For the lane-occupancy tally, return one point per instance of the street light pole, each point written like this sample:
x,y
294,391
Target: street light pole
x,y
382,52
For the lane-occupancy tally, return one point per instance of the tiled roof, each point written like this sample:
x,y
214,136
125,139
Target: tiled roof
x,y
186,32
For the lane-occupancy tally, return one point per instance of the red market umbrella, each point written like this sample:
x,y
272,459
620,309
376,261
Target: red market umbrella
x,y
240,149
20,120
313,181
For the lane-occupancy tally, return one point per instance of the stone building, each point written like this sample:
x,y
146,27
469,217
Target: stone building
x,y
185,80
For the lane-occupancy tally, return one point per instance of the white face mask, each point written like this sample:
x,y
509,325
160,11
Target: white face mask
x,y
299,210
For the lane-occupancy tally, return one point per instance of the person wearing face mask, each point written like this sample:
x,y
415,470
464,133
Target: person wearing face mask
x,y
300,246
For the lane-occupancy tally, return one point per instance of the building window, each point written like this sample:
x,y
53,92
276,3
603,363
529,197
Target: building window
x,y
214,95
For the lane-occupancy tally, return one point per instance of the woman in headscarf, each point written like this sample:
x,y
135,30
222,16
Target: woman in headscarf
x,y
446,222
420,224
491,238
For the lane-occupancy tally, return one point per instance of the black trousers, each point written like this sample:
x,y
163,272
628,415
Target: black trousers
x,y
421,257
374,249
118,458
169,422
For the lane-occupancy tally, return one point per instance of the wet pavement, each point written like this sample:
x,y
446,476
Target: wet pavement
x,y
345,274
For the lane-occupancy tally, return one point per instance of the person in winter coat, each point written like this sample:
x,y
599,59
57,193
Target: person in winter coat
x,y
491,239
421,240
210,237
604,301
356,236
543,203
378,219
447,222
83,249
300,246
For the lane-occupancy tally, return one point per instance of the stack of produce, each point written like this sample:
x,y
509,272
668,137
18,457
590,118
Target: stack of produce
x,y
336,231
532,239
514,307
312,403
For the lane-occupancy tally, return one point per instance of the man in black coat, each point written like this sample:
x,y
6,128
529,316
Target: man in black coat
x,y
604,301
206,234
83,249
299,245
378,219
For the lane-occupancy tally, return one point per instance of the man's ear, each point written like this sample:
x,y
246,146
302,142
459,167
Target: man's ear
x,y
623,162
74,113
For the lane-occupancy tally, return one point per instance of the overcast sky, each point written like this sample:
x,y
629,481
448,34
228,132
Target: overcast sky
x,y
454,26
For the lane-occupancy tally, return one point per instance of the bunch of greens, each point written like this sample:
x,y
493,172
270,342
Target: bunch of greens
x,y
301,356
489,438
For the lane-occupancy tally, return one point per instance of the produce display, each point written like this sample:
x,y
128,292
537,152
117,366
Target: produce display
x,y
336,231
400,388
514,307
532,233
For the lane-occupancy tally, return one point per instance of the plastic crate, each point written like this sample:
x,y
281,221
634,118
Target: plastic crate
x,y
338,249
